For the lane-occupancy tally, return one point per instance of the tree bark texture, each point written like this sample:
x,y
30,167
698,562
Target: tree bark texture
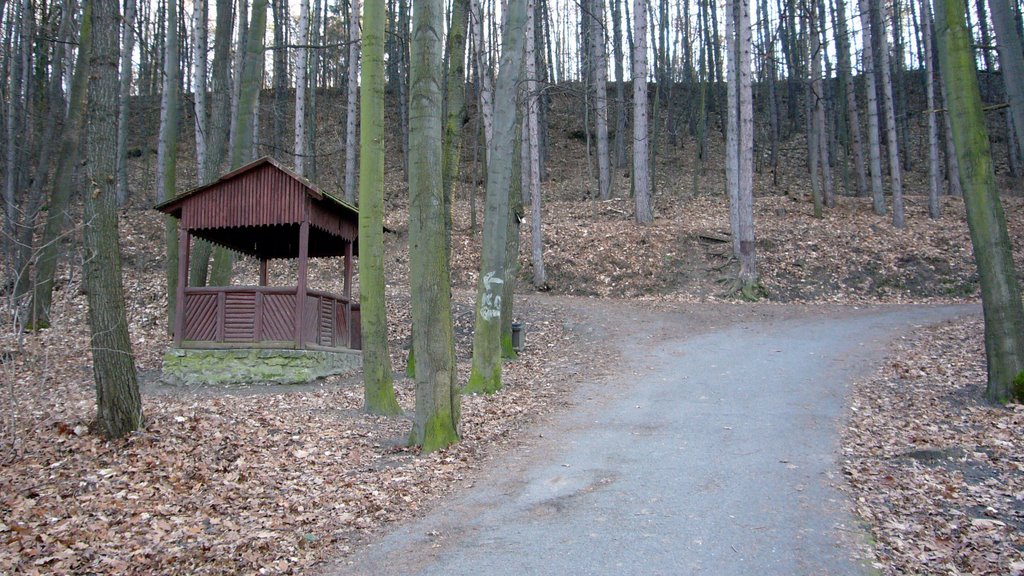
x,y
540,276
934,208
119,409
300,90
641,157
167,155
874,137
1000,293
1011,61
378,385
891,142
63,180
124,93
748,276
485,375
437,398
600,68
352,95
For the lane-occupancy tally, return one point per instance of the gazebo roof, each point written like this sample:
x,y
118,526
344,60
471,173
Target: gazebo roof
x,y
257,210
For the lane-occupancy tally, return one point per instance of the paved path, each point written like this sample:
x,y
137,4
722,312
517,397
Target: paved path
x,y
713,453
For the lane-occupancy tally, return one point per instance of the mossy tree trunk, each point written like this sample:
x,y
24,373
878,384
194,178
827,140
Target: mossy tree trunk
x,y
1000,293
486,372
378,382
119,408
437,399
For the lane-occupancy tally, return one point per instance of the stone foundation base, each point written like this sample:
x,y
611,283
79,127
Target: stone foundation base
x,y
265,366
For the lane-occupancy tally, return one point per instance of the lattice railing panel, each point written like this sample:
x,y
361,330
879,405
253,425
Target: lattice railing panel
x,y
279,317
200,317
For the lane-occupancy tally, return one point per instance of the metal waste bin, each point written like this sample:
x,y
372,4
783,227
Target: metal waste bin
x,y
517,336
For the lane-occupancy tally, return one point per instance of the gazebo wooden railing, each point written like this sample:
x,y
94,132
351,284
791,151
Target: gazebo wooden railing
x,y
264,317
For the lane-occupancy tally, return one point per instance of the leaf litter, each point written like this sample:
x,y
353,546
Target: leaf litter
x,y
270,480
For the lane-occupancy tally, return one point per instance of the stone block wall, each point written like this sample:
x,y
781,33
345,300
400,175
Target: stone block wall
x,y
271,366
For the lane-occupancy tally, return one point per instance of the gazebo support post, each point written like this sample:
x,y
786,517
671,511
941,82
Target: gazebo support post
x,y
302,288
347,290
263,271
184,249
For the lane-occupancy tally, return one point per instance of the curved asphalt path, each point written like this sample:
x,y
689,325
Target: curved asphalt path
x,y
707,454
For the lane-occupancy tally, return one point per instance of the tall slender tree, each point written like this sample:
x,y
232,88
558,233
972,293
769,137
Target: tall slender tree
x,y
1011,60
600,73
119,408
486,372
874,136
891,141
934,208
641,144
167,153
301,53
1000,293
63,180
127,48
378,385
532,166
437,397
352,95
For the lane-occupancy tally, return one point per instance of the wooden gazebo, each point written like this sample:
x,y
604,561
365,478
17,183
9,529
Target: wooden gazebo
x,y
265,211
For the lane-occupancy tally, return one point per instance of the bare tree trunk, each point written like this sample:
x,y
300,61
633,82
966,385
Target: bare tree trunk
x,y
821,138
895,171
853,115
281,18
127,48
455,109
1011,60
620,89
239,64
1000,292
16,124
532,111
200,14
378,385
353,97
874,137
53,107
300,88
217,130
312,83
600,68
437,397
167,155
251,74
732,125
641,167
749,286
952,164
119,408
486,371
67,159
934,208
483,73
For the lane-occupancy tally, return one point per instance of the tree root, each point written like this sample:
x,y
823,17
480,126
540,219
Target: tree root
x,y
746,291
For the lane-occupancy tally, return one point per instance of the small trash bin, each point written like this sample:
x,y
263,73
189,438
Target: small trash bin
x,y
517,336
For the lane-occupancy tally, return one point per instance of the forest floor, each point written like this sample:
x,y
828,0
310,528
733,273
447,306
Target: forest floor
x,y
275,481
